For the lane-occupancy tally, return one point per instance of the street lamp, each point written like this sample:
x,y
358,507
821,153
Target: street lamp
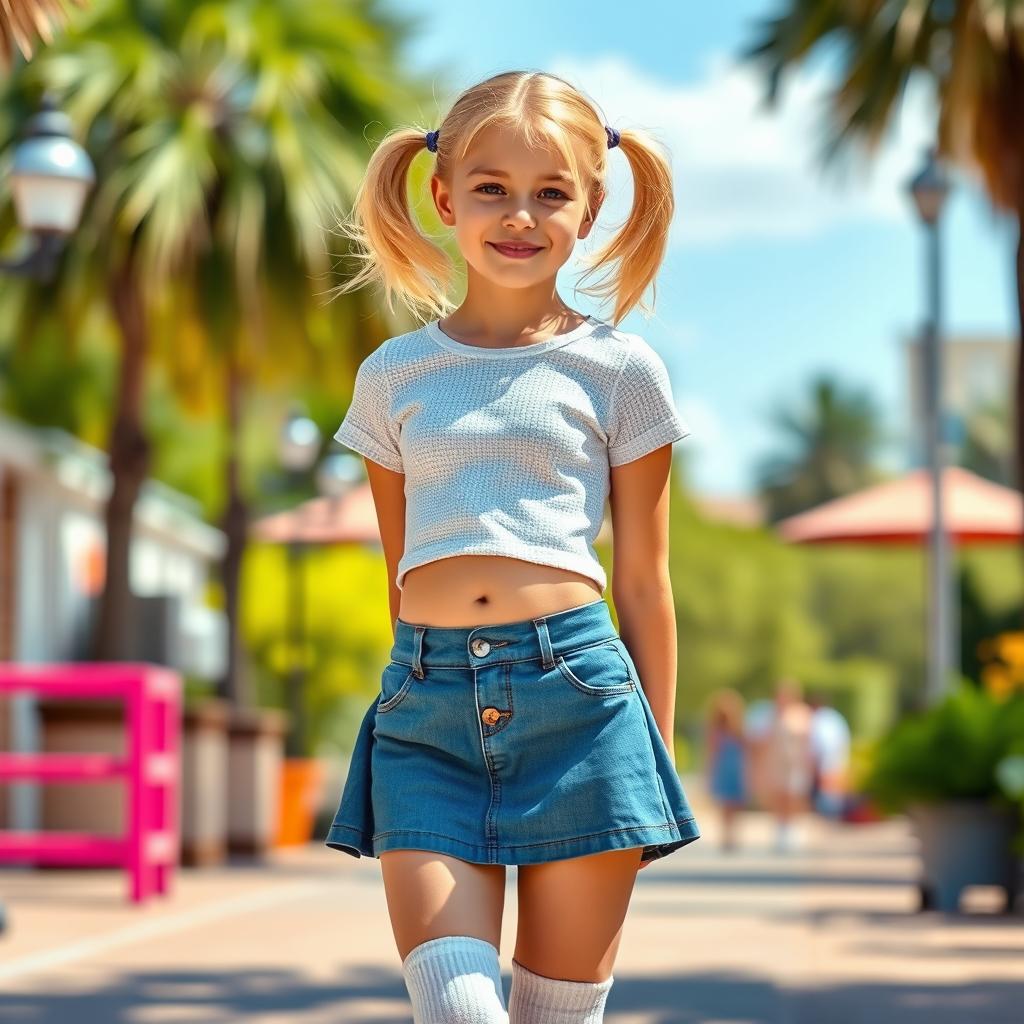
x,y
50,178
299,445
338,473
929,189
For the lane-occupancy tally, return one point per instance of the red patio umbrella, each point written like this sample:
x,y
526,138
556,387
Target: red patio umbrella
x,y
900,511
347,520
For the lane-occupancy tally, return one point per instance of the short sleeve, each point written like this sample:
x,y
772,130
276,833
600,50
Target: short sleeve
x,y
368,426
642,414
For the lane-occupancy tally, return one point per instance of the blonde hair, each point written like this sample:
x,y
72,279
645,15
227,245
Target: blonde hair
x,y
547,110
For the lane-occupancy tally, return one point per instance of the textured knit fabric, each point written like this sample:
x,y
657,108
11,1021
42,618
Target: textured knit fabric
x,y
455,979
536,999
506,451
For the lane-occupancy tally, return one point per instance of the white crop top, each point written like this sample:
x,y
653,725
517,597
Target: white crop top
x,y
507,451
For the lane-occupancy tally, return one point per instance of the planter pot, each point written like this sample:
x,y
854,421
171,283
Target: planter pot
x,y
254,778
964,842
204,774
302,783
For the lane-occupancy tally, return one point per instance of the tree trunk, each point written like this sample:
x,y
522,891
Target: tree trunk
x,y
235,686
129,457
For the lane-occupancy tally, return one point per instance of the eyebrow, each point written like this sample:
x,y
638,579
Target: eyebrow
x,y
501,174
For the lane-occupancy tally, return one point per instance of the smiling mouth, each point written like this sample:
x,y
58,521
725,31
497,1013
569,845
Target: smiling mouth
x,y
515,251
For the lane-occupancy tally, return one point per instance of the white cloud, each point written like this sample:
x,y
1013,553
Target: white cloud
x,y
742,172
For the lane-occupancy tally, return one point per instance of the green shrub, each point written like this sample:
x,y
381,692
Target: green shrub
x,y
949,752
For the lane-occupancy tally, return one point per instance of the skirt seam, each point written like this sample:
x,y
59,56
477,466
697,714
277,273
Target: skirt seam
x,y
514,846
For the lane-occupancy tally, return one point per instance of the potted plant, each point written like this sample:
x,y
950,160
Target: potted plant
x,y
946,767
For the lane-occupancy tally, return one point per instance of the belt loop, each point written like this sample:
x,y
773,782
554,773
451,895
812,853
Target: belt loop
x,y
547,659
417,651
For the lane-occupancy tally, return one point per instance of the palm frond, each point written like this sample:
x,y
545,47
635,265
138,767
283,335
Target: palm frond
x,y
23,21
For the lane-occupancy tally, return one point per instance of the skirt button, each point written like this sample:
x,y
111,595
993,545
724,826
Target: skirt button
x,y
490,715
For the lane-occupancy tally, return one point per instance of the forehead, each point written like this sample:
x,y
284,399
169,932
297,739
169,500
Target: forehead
x,y
498,149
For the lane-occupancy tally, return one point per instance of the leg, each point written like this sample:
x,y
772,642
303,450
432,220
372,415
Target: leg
x,y
446,917
571,914
430,895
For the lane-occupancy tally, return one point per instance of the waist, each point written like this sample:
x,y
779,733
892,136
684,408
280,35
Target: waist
x,y
541,638
478,590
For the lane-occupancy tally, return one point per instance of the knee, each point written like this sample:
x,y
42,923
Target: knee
x,y
586,977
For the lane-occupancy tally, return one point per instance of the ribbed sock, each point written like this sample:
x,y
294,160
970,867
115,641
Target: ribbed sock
x,y
535,999
455,979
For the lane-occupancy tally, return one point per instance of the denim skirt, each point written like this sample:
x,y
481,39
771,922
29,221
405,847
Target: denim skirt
x,y
515,743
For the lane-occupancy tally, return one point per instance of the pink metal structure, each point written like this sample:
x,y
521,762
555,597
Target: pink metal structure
x,y
150,766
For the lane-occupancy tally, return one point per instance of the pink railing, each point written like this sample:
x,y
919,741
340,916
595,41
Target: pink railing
x,y
150,767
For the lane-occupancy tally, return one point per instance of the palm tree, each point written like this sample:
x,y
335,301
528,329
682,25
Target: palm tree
x,y
973,51
829,448
225,135
22,20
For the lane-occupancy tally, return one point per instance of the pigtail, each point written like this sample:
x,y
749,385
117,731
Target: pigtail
x,y
639,247
394,251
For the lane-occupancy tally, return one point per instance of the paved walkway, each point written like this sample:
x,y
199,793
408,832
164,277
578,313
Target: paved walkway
x,y
826,935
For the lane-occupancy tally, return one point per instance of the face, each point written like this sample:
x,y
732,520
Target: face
x,y
503,192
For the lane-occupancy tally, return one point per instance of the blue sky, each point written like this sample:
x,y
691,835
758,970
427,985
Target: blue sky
x,y
774,272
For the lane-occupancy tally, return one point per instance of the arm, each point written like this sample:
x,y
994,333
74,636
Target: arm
x,y
388,489
641,588
370,428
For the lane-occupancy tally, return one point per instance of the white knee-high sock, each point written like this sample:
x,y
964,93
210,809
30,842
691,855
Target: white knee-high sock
x,y
455,979
536,999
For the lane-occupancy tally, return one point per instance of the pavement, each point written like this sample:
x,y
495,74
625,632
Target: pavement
x,y
829,933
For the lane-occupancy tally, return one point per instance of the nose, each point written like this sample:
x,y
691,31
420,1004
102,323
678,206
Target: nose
x,y
521,218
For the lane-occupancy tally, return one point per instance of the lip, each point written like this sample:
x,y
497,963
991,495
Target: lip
x,y
515,252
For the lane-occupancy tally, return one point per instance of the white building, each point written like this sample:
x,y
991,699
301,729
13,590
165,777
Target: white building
x,y
53,490
976,372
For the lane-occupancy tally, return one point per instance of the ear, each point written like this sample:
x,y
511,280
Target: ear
x,y
442,200
588,222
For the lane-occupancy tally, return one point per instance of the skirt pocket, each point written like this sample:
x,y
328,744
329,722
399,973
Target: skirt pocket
x,y
598,671
395,682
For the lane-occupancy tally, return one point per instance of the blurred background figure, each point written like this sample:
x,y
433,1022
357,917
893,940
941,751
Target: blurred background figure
x,y
726,759
830,752
788,762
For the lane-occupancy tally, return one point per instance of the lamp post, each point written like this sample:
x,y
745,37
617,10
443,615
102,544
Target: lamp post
x,y
929,189
300,442
50,178
336,475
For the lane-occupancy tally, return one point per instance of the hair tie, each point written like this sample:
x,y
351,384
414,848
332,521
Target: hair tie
x,y
613,136
431,138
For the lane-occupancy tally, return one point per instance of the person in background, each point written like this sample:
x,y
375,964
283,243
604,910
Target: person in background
x,y
726,759
788,762
830,751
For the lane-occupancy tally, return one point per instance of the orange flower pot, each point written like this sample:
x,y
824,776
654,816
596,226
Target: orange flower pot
x,y
301,785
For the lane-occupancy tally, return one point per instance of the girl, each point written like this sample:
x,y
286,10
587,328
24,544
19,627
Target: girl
x,y
727,759
511,725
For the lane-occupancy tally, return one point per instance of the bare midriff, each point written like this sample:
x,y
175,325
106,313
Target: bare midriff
x,y
484,590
